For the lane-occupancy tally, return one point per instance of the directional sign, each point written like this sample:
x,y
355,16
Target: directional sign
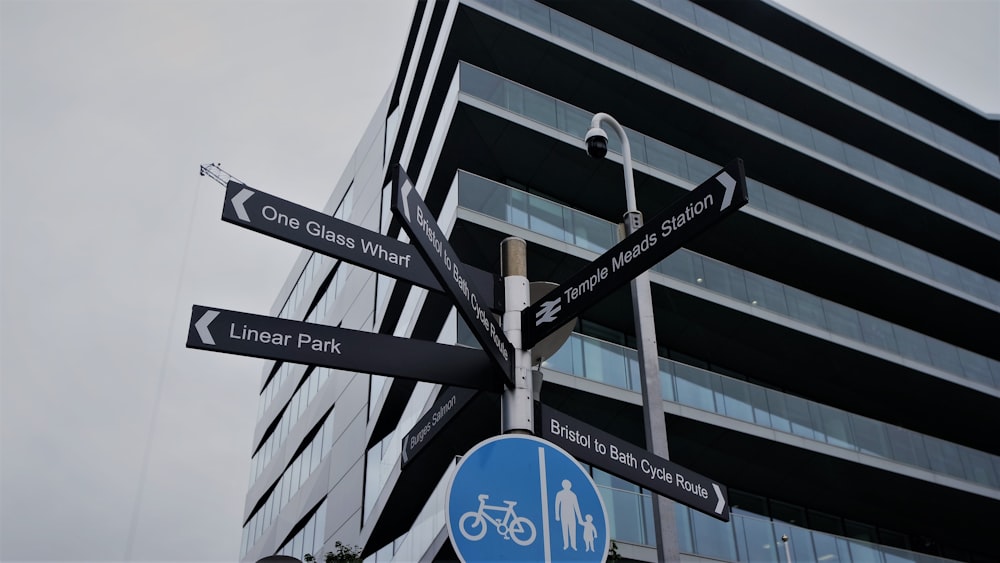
x,y
451,401
428,238
519,498
716,198
632,463
271,338
266,214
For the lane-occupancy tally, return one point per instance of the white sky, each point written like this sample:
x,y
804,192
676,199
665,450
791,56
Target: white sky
x,y
109,235
951,44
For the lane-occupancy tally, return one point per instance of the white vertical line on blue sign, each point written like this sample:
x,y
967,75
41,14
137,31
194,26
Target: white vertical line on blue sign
x,y
545,505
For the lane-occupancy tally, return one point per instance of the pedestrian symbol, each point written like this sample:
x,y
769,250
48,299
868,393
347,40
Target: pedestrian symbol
x,y
568,512
520,498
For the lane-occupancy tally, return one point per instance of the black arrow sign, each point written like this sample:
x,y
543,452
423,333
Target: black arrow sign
x,y
632,463
716,198
428,238
245,334
451,401
281,219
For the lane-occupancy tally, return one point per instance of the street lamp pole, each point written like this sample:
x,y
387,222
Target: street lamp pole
x,y
667,546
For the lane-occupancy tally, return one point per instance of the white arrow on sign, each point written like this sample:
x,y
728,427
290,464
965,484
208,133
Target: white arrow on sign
x,y
202,326
722,500
730,184
405,190
238,201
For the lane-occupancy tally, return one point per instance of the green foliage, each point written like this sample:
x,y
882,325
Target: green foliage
x,y
343,554
613,554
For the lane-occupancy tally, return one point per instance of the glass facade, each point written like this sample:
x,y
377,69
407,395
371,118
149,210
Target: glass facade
x,y
560,223
383,457
747,537
826,80
309,538
692,169
739,107
294,476
296,406
616,365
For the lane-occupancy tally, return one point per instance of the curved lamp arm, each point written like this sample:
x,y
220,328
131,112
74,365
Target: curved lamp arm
x,y
595,123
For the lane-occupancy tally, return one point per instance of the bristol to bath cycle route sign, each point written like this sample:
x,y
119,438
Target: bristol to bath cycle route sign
x,y
521,498
632,463
450,272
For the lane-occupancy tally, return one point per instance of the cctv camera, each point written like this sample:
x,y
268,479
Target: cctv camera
x,y
784,538
597,142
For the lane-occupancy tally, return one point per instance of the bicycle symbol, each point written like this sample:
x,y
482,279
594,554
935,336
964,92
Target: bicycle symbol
x,y
514,527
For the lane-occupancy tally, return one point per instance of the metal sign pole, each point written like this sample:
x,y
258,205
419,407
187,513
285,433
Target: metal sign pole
x,y
667,546
517,404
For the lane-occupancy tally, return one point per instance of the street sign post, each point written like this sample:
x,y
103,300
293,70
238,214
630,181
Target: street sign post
x,y
632,463
716,198
451,401
520,498
559,514
245,334
281,219
450,272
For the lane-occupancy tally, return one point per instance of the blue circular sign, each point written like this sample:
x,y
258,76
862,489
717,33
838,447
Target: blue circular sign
x,y
521,498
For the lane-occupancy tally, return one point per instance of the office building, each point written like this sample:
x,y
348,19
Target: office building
x,y
831,352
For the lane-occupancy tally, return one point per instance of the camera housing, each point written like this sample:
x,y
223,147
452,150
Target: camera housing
x,y
597,142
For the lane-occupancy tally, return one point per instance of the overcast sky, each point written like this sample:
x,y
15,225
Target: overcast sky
x,y
109,234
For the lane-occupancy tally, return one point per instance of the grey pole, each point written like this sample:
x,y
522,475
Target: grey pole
x,y
664,519
788,551
517,404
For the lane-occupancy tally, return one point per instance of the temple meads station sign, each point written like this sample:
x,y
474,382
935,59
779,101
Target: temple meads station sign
x,y
716,198
632,463
451,273
266,214
272,338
